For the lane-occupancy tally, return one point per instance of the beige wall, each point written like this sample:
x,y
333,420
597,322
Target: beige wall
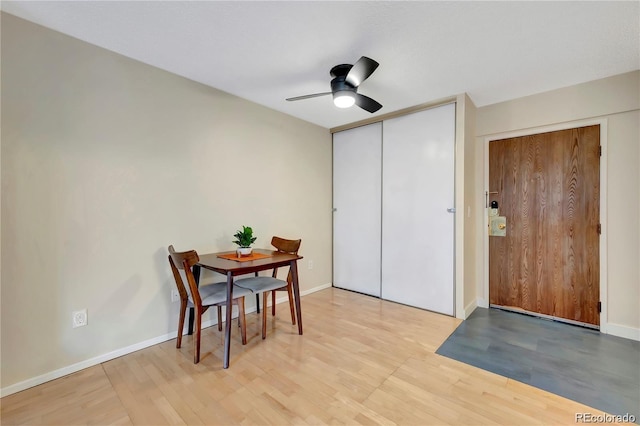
x,y
465,249
472,210
105,162
616,100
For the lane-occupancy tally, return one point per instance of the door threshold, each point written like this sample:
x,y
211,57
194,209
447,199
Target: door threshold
x,y
543,316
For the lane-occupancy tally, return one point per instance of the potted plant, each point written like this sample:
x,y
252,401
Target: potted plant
x,y
244,239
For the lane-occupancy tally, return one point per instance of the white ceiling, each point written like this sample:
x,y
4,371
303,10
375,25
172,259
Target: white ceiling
x,y
267,51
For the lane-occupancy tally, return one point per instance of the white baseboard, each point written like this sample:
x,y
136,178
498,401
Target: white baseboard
x,y
623,331
468,310
64,371
608,328
313,290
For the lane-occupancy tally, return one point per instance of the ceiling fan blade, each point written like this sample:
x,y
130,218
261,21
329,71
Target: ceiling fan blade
x,y
361,70
366,103
315,95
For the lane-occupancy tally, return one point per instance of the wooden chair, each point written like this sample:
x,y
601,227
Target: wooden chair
x,y
201,298
271,284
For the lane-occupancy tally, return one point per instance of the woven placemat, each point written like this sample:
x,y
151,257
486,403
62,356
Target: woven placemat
x,y
252,256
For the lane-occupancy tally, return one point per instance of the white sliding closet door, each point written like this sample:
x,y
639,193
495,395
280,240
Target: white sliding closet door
x,y
417,229
357,204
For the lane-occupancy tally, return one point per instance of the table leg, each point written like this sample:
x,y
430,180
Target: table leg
x,y
227,326
296,293
196,275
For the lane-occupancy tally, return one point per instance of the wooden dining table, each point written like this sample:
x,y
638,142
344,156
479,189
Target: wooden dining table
x,y
234,268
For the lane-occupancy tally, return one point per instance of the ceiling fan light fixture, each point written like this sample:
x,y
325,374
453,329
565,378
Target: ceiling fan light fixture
x,y
343,99
344,85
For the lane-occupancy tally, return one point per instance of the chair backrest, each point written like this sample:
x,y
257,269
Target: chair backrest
x,y
286,246
184,261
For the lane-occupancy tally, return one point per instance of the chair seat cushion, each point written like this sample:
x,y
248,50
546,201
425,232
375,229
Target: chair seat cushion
x,y
215,293
261,284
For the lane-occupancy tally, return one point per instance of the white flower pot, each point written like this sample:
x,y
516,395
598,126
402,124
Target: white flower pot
x,y
243,251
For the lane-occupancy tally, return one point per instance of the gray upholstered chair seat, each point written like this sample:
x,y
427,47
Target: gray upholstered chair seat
x,y
260,284
265,285
215,293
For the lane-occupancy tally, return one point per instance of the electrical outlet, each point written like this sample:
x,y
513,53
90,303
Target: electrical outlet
x,y
175,296
311,264
79,318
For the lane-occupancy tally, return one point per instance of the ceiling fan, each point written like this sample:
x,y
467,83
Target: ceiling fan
x,y
344,86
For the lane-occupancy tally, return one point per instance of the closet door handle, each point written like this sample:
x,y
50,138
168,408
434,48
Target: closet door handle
x,y
451,210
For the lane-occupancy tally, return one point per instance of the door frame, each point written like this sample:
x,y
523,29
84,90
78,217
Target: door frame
x,y
602,122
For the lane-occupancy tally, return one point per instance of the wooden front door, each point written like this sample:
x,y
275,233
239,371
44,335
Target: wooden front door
x,y
548,188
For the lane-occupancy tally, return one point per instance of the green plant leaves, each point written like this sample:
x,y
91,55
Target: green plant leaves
x,y
244,237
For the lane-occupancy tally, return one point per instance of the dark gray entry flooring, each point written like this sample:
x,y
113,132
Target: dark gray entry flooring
x,y
598,370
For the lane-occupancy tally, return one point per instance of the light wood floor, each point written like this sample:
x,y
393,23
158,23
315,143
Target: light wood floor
x,y
360,361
